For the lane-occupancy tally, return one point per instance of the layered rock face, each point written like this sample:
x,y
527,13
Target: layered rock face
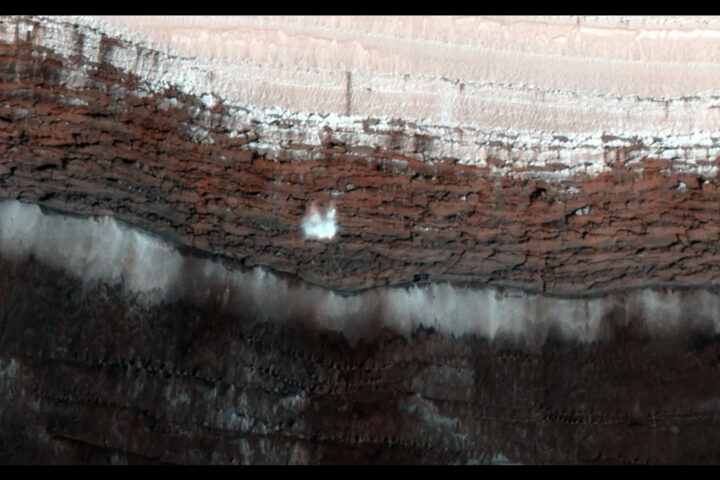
x,y
90,379
593,194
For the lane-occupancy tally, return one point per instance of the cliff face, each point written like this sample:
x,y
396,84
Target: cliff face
x,y
87,138
89,375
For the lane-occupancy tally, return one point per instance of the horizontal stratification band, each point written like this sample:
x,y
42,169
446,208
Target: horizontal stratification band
x,y
151,272
563,215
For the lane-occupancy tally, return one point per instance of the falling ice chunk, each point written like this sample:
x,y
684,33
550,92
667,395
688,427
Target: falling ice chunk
x,y
319,225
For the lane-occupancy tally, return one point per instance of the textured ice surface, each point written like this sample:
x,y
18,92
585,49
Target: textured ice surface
x,y
100,249
545,91
560,74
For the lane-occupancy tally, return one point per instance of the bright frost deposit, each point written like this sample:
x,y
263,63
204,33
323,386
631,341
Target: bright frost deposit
x,y
101,249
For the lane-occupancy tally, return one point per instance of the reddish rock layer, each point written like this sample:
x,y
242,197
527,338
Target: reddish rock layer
x,y
166,162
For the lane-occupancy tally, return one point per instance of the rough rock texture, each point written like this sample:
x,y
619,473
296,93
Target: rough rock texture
x,y
87,375
91,378
167,162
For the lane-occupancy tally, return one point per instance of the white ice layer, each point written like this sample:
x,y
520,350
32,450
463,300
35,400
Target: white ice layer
x,y
530,92
100,249
571,74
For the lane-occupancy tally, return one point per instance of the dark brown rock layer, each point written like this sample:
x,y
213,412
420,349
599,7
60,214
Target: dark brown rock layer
x,y
111,146
91,378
